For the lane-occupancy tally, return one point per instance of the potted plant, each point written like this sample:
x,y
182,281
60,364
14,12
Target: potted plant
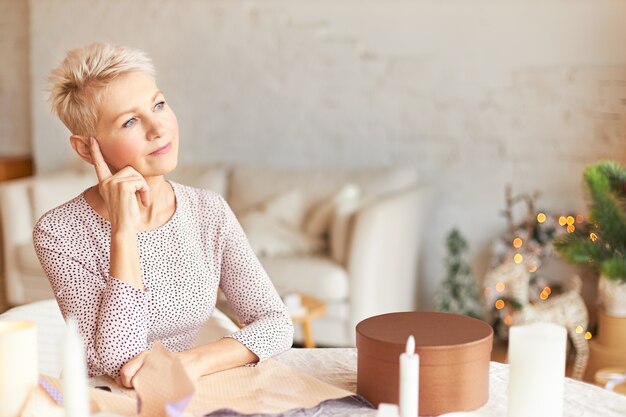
x,y
601,243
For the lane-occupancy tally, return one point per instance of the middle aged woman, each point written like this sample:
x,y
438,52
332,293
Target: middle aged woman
x,y
137,259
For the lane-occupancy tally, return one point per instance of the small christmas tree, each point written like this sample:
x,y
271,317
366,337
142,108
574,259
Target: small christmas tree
x,y
459,292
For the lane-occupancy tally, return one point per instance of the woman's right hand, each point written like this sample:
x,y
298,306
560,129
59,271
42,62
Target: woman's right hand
x,y
121,192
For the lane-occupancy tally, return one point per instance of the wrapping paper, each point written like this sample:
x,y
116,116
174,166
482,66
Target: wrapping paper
x,y
269,388
162,385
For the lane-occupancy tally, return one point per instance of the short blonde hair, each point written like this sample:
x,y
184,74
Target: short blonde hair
x,y
76,86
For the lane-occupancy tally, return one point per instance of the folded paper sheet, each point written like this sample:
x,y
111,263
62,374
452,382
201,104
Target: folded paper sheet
x,y
156,398
270,387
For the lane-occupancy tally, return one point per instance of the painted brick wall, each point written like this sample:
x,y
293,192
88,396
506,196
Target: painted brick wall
x,y
14,80
476,94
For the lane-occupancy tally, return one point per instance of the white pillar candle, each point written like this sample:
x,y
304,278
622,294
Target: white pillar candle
x,y
18,365
75,392
537,370
409,380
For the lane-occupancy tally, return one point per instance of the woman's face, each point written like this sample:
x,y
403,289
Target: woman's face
x,y
136,127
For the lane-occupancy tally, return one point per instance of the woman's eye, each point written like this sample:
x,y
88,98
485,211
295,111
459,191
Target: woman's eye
x,y
159,105
130,122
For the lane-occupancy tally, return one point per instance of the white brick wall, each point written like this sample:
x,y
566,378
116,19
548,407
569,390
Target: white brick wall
x,y
477,94
14,81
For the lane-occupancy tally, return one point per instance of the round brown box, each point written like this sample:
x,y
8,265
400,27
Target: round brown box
x,y
454,355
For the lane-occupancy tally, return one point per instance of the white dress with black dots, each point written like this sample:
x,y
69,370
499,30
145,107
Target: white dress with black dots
x,y
202,247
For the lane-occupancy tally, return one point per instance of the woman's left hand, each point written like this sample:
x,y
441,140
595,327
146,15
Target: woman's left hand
x,y
130,369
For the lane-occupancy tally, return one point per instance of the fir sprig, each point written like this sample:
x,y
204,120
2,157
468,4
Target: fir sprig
x,y
602,246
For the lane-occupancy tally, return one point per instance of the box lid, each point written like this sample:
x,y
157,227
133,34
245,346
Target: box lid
x,y
440,338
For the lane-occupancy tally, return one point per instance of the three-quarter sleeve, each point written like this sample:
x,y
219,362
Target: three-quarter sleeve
x,y
268,327
111,315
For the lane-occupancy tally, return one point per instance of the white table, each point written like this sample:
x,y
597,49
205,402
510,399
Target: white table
x,y
338,367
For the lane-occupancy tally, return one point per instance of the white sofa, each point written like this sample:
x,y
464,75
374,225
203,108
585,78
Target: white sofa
x,y
347,238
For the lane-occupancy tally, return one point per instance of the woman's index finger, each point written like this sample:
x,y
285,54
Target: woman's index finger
x,y
102,169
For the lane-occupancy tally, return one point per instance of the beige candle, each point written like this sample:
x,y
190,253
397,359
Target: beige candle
x,y
18,365
537,370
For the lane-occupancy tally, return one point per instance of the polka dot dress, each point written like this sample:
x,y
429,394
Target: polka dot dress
x,y
202,247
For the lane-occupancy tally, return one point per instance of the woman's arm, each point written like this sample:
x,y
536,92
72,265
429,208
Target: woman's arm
x,y
224,354
268,328
111,310
119,193
112,316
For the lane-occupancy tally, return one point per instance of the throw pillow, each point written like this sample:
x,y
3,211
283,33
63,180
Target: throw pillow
x,y
288,208
341,226
318,222
274,228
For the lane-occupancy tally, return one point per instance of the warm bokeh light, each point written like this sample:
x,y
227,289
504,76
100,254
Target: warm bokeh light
x,y
541,217
500,286
571,228
593,237
580,218
517,243
570,220
588,335
579,329
545,293
508,320
500,304
533,268
518,258
562,221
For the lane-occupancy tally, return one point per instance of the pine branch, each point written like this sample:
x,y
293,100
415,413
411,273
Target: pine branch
x,y
614,268
606,209
605,184
579,250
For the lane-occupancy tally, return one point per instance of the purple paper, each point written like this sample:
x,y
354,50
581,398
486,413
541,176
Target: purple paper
x,y
177,408
354,404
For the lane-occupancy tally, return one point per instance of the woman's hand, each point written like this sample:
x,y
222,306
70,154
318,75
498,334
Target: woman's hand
x,y
121,192
130,369
191,363
223,354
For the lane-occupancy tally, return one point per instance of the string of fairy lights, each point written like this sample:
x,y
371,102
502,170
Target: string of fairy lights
x,y
569,224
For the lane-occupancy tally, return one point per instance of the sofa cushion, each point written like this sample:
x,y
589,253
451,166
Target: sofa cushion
x,y
269,236
341,226
27,259
51,191
318,276
288,208
250,186
319,219
274,228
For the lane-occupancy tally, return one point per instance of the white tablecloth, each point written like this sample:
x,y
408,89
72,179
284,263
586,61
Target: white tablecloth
x,y
338,367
